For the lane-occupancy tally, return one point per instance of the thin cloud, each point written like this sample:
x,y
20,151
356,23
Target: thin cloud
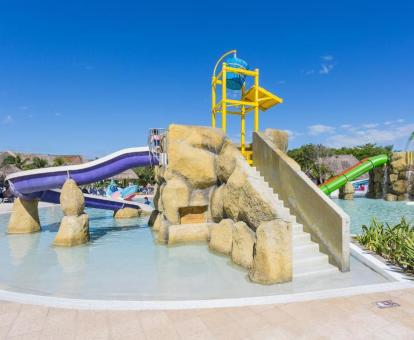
x,y
370,125
319,129
8,119
390,135
326,68
327,57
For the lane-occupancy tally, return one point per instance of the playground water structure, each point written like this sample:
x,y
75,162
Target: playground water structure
x,y
40,183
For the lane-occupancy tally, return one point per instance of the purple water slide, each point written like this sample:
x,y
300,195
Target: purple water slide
x,y
36,183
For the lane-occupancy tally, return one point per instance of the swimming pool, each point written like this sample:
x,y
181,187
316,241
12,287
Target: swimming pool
x,y
122,262
361,210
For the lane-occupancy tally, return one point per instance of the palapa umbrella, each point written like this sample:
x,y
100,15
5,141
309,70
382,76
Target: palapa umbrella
x,y
6,170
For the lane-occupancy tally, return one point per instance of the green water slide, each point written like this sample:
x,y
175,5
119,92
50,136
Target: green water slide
x,y
352,173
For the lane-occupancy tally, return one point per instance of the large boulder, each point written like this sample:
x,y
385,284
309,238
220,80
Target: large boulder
x,y
71,199
249,199
227,160
73,230
153,217
398,165
347,191
399,187
126,213
197,136
175,195
279,138
390,197
163,230
197,166
187,233
24,218
216,204
221,236
272,262
244,239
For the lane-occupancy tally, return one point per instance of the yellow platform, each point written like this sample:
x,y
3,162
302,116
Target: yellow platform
x,y
266,98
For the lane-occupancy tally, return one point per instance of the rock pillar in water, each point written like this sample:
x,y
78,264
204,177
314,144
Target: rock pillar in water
x,y
347,192
74,228
126,213
24,218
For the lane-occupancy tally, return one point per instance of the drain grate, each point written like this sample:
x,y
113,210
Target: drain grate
x,y
386,304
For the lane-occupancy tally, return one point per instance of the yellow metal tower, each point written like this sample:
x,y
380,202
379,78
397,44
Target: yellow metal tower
x,y
254,99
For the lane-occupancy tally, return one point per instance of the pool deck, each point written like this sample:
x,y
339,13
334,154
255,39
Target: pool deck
x,y
355,317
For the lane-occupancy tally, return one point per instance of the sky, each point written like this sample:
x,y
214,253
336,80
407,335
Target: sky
x,y
92,77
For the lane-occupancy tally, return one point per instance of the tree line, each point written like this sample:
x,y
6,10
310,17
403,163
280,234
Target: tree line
x,y
312,157
27,164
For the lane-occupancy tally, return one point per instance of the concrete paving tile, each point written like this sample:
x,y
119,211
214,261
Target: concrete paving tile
x,y
8,307
161,333
92,325
125,324
215,319
271,333
176,315
3,331
30,319
8,318
26,336
190,327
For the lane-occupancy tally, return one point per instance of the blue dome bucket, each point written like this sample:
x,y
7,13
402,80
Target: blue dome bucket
x,y
235,81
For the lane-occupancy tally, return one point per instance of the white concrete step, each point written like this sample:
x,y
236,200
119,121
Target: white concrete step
x,y
301,238
307,259
296,227
305,250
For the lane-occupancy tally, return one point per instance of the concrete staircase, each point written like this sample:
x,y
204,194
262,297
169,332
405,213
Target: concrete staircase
x,y
307,259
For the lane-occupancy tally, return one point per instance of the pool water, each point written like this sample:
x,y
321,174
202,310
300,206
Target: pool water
x,y
361,211
122,262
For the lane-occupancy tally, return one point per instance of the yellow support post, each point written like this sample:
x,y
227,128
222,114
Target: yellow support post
x,y
223,97
213,102
256,100
243,131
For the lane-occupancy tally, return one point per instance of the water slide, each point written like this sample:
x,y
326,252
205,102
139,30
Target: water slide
x,y
42,183
352,173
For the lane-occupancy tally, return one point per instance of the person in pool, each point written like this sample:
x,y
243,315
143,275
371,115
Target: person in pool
x,y
147,201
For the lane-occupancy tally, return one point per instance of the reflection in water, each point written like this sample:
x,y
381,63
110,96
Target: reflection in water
x,y
21,245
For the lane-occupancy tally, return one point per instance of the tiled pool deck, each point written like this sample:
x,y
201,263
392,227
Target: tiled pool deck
x,y
355,317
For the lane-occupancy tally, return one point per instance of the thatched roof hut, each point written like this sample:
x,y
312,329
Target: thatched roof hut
x,y
6,170
126,175
339,163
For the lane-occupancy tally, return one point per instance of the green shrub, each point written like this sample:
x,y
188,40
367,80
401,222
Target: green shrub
x,y
395,243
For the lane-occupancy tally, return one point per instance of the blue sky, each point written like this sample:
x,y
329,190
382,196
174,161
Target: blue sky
x,y
93,77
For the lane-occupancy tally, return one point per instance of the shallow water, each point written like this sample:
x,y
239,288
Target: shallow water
x,y
122,262
361,211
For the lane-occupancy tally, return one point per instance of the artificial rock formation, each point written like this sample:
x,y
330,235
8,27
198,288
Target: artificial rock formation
x,y
187,233
394,181
221,236
74,227
347,192
127,213
207,192
242,248
272,262
279,138
24,218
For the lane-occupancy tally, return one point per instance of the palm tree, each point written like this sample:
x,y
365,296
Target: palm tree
x,y
38,163
17,161
58,161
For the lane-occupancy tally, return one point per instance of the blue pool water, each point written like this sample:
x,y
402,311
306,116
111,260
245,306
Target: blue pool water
x,y
122,262
362,210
